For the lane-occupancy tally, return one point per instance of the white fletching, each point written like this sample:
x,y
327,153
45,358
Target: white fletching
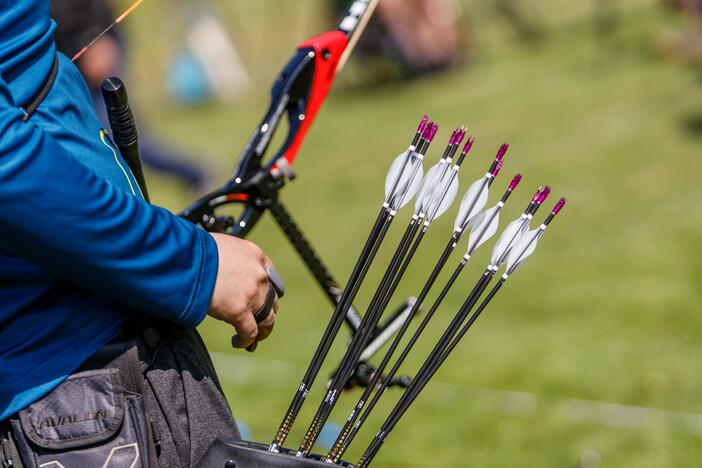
x,y
431,180
447,194
391,178
523,248
410,189
484,227
404,178
509,237
472,204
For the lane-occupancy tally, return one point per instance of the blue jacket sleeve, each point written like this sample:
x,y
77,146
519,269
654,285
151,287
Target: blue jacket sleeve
x,y
57,213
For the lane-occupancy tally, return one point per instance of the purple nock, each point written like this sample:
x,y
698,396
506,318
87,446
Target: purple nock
x,y
501,152
426,133
537,195
497,169
544,194
430,131
561,203
515,181
460,135
466,148
434,129
468,145
454,134
423,123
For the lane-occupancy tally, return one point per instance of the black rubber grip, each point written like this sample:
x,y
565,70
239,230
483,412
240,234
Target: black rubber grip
x,y
124,132
276,280
262,313
276,287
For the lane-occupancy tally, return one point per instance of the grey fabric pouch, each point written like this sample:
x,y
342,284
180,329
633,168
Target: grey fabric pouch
x,y
89,420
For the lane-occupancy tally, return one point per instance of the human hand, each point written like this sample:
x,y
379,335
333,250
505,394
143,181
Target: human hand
x,y
240,289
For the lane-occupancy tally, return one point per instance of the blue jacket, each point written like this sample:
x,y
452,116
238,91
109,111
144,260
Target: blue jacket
x,y
80,251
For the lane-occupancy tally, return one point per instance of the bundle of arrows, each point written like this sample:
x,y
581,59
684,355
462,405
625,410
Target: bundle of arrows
x,y
434,192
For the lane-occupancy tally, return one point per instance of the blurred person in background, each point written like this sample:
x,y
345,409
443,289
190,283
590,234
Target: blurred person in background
x,y
77,22
421,36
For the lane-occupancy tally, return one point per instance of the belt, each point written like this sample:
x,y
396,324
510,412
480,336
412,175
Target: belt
x,y
44,89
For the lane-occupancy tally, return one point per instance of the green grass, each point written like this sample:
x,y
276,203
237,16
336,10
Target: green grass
x,y
609,308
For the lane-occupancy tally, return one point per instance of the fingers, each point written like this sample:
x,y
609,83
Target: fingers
x,y
249,333
246,332
241,290
265,328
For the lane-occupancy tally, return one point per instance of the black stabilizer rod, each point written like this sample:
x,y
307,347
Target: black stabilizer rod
x,y
124,132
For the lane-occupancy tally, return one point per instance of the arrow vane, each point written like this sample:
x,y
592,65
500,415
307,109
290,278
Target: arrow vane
x,y
477,194
485,226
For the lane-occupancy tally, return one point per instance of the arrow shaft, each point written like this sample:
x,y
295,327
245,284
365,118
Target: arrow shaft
x,y
523,252
419,381
370,249
424,379
370,320
341,442
515,237
408,347
401,188
472,248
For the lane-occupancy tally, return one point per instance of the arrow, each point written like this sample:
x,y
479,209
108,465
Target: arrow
x,y
438,190
517,228
349,431
119,19
485,225
531,208
523,249
404,177
477,194
399,188
528,242
441,183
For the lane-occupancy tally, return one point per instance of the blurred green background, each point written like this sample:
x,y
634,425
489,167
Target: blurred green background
x,y
590,356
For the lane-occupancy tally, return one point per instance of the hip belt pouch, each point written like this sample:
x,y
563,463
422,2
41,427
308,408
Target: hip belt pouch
x,y
89,420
